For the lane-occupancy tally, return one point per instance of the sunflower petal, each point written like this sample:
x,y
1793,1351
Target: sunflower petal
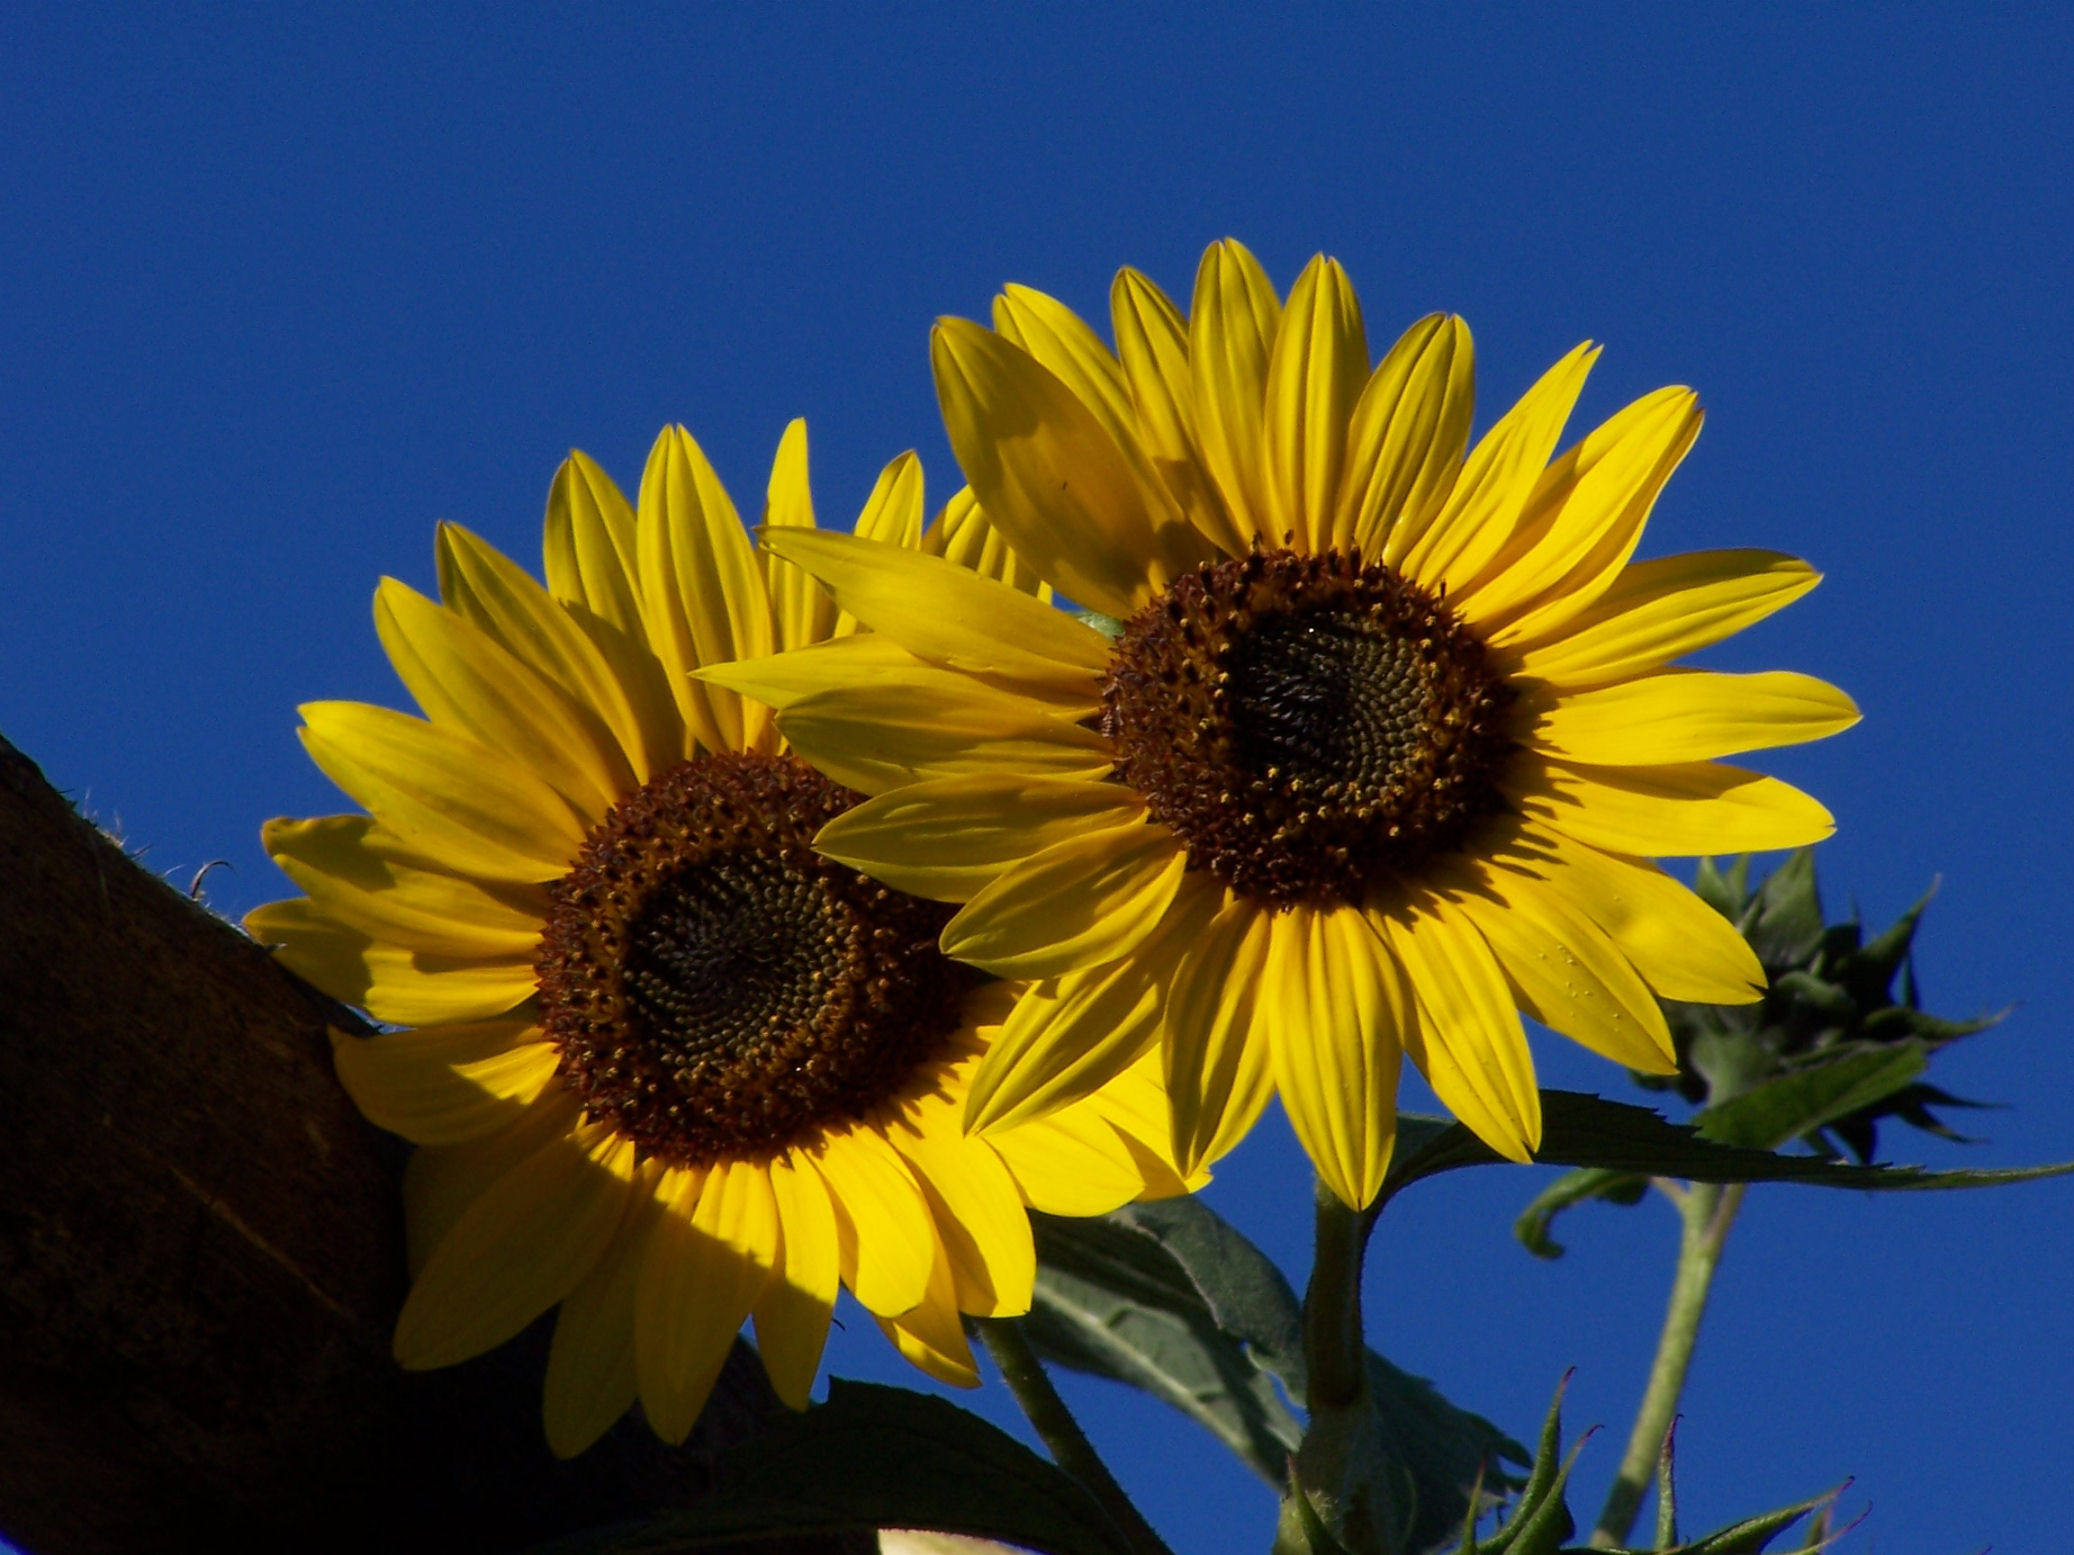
x,y
947,615
1681,715
1466,1038
1314,376
979,1215
1656,611
408,987
487,588
801,611
447,797
591,1379
442,1182
1086,900
342,862
591,550
1071,1163
962,535
1567,974
883,1219
442,1085
793,1312
1061,342
1686,809
931,1334
948,838
1231,337
1681,946
1483,509
518,1250
1584,519
1152,342
1050,478
1070,1035
935,724
1219,1054
708,1262
1336,1010
702,590
1408,434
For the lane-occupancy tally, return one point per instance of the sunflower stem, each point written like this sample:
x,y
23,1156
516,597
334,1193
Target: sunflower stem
x,y
1334,1353
1060,1432
1708,1210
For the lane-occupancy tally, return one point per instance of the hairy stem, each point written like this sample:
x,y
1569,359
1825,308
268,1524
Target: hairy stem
x,y
1334,1354
1708,1210
1060,1432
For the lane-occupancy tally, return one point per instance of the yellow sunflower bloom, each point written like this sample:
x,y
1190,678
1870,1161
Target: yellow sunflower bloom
x,y
1375,754
668,1067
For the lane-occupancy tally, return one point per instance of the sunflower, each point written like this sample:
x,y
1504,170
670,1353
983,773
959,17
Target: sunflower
x,y
1362,749
668,1067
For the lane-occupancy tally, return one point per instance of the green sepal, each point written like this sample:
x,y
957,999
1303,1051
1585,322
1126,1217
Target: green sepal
x,y
1109,626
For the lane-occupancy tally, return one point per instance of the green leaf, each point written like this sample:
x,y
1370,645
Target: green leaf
x,y
1170,1298
1576,1187
1117,1295
1582,1130
1750,1536
1807,1099
1785,920
876,1457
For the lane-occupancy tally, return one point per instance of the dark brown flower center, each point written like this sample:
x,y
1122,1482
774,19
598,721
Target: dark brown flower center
x,y
1310,726
718,990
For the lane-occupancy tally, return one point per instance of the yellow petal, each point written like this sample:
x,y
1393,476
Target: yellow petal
x,y
1080,902
792,1314
961,534
408,987
702,591
708,1262
784,678
892,514
1583,522
1692,808
1219,1072
1051,479
1336,1013
946,615
1483,509
931,1334
518,1250
1314,376
591,551
882,1218
1231,336
442,1182
979,1215
1071,1163
802,611
352,876
590,1364
1408,434
493,593
447,797
1566,973
1466,1038
1686,715
1134,1105
1059,340
948,838
1656,611
1072,1034
1152,341
936,723
1681,946
441,1085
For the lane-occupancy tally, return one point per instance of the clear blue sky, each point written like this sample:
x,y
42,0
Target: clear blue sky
x,y
278,290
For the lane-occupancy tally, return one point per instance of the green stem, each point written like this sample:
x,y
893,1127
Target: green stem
x,y
1335,1357
1060,1432
1708,1210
